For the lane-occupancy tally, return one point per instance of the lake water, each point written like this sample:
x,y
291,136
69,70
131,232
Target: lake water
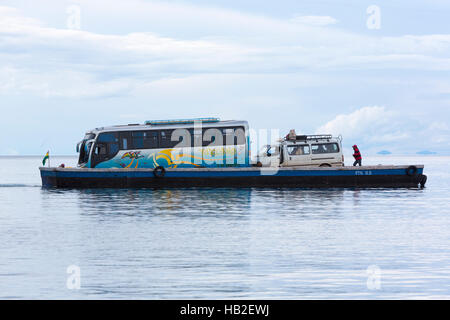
x,y
224,243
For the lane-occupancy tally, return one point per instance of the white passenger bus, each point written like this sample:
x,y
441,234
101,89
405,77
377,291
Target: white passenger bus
x,y
203,142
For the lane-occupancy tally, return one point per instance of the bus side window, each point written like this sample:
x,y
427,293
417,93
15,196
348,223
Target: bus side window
x,y
196,137
108,142
100,149
113,148
181,138
234,136
165,139
124,141
228,136
240,136
212,137
138,139
151,139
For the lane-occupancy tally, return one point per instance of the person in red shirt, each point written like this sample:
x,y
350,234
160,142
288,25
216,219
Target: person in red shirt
x,y
357,156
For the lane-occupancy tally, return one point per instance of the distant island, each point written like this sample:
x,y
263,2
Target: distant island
x,y
426,152
384,152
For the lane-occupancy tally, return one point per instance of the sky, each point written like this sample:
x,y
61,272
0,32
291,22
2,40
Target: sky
x,y
376,72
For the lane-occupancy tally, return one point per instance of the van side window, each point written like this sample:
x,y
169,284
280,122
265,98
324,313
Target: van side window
x,y
325,148
299,150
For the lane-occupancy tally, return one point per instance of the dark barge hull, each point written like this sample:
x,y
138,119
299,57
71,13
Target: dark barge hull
x,y
308,177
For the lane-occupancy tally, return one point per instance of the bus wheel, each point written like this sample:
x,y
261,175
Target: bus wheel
x,y
325,165
159,172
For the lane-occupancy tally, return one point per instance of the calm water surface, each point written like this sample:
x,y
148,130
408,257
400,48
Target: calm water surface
x,y
224,243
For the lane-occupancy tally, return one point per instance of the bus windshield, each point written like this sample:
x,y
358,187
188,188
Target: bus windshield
x,y
85,151
84,147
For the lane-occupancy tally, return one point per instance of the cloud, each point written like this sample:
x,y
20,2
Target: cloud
x,y
233,42
356,123
314,20
376,128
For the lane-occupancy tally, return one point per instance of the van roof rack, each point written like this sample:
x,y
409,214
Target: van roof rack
x,y
180,121
311,137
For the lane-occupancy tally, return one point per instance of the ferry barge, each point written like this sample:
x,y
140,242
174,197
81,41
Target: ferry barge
x,y
208,152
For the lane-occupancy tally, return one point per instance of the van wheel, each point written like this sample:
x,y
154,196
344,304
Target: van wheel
x,y
325,165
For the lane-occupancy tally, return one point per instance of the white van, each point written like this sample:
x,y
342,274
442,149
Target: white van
x,y
304,150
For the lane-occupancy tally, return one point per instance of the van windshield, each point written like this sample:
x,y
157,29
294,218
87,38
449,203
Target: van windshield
x,y
269,150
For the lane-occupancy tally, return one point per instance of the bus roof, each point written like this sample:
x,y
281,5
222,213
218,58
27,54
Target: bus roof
x,y
171,124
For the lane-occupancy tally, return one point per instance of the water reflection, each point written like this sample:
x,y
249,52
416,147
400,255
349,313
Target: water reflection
x,y
221,203
301,203
207,202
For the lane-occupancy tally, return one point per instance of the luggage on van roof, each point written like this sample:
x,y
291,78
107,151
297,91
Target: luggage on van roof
x,y
292,136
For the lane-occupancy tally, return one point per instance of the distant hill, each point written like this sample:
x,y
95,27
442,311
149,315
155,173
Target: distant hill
x,y
384,152
426,152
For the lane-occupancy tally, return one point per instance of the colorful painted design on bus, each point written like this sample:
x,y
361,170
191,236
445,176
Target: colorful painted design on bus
x,y
177,158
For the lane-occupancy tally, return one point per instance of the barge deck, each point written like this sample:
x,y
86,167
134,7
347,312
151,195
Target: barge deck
x,y
380,176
